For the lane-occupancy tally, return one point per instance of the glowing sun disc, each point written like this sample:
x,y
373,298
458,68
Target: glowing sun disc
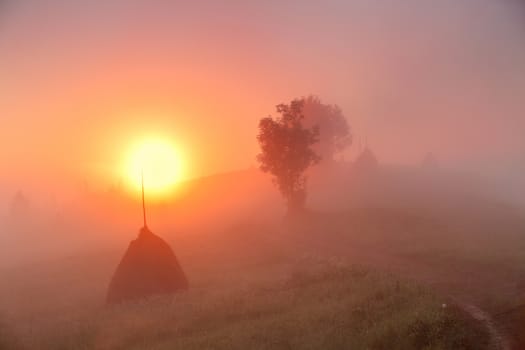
x,y
158,161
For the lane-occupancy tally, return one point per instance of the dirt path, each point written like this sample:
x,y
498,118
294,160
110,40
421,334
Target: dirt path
x,y
499,340
435,278
467,285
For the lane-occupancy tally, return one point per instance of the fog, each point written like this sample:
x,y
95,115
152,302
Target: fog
x,y
412,77
81,81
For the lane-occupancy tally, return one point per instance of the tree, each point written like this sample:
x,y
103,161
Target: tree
x,y
286,152
334,131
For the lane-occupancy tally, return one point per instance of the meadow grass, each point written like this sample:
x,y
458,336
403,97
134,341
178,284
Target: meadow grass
x,y
319,304
264,287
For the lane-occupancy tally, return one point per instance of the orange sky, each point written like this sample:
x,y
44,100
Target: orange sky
x,y
80,82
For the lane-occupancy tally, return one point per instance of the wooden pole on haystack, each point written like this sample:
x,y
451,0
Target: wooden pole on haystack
x,y
143,202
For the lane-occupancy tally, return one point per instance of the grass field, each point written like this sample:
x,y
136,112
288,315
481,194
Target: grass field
x,y
309,304
354,279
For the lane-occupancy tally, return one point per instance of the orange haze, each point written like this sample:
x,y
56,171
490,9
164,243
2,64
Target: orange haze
x,y
81,81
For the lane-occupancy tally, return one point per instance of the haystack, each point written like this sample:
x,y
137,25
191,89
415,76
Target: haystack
x,y
430,162
366,161
149,267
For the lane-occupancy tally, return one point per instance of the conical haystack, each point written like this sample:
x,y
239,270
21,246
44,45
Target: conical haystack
x,y
366,161
149,267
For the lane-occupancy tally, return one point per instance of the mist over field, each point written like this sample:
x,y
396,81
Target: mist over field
x,y
404,228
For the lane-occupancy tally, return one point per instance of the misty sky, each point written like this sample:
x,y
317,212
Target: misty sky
x,y
79,80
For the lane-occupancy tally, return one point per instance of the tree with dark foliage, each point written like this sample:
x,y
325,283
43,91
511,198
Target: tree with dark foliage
x,y
334,131
286,152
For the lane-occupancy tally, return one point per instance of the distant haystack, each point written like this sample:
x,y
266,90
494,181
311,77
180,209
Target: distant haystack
x,y
430,162
19,207
366,161
149,267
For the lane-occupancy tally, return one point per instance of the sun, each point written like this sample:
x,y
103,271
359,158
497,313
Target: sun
x,y
158,161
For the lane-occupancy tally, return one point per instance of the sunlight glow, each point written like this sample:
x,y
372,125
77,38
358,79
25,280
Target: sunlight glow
x,y
159,161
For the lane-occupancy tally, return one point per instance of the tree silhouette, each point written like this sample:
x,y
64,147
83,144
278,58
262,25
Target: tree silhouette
x,y
334,131
286,152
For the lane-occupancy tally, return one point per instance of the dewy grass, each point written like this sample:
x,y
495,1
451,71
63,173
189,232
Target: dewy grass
x,y
316,305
